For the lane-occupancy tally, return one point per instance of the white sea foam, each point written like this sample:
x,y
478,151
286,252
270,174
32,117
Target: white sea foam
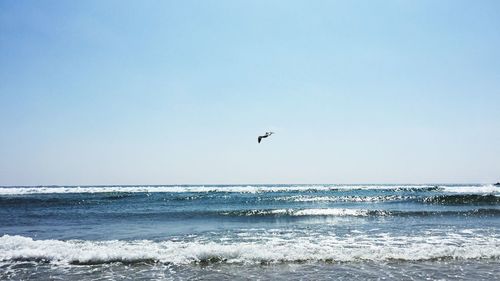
x,y
270,249
238,188
483,189
196,188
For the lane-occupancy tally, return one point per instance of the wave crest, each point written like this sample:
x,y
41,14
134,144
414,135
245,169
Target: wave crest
x,y
270,249
216,188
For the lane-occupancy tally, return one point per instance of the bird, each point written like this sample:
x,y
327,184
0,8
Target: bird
x,y
267,134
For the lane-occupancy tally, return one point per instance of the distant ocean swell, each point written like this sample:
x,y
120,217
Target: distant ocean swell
x,y
294,214
358,212
270,249
45,199
437,199
463,199
244,189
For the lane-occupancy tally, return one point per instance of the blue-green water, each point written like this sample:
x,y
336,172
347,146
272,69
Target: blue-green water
x,y
352,232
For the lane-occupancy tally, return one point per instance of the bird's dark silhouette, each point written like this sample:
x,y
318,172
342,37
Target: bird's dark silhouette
x,y
267,134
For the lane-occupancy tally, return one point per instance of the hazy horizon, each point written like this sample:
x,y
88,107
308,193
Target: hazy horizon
x,y
176,92
258,184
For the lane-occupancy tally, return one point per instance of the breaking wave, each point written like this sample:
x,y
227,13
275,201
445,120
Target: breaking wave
x,y
215,188
270,249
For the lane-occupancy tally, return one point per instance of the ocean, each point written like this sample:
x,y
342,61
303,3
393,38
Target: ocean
x,y
250,232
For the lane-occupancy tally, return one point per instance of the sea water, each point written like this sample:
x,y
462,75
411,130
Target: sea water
x,y
250,232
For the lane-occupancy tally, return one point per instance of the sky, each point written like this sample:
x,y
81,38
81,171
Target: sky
x,y
176,92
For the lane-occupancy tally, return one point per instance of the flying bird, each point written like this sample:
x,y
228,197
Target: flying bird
x,y
267,134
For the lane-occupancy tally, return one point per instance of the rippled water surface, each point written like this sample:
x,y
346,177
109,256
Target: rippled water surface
x,y
248,232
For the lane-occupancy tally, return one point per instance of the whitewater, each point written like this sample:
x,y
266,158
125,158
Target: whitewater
x,y
234,232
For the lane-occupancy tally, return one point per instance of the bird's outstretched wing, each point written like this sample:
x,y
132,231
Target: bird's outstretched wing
x,y
259,139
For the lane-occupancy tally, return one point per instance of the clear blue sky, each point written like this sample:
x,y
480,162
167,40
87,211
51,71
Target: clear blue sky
x,y
170,92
